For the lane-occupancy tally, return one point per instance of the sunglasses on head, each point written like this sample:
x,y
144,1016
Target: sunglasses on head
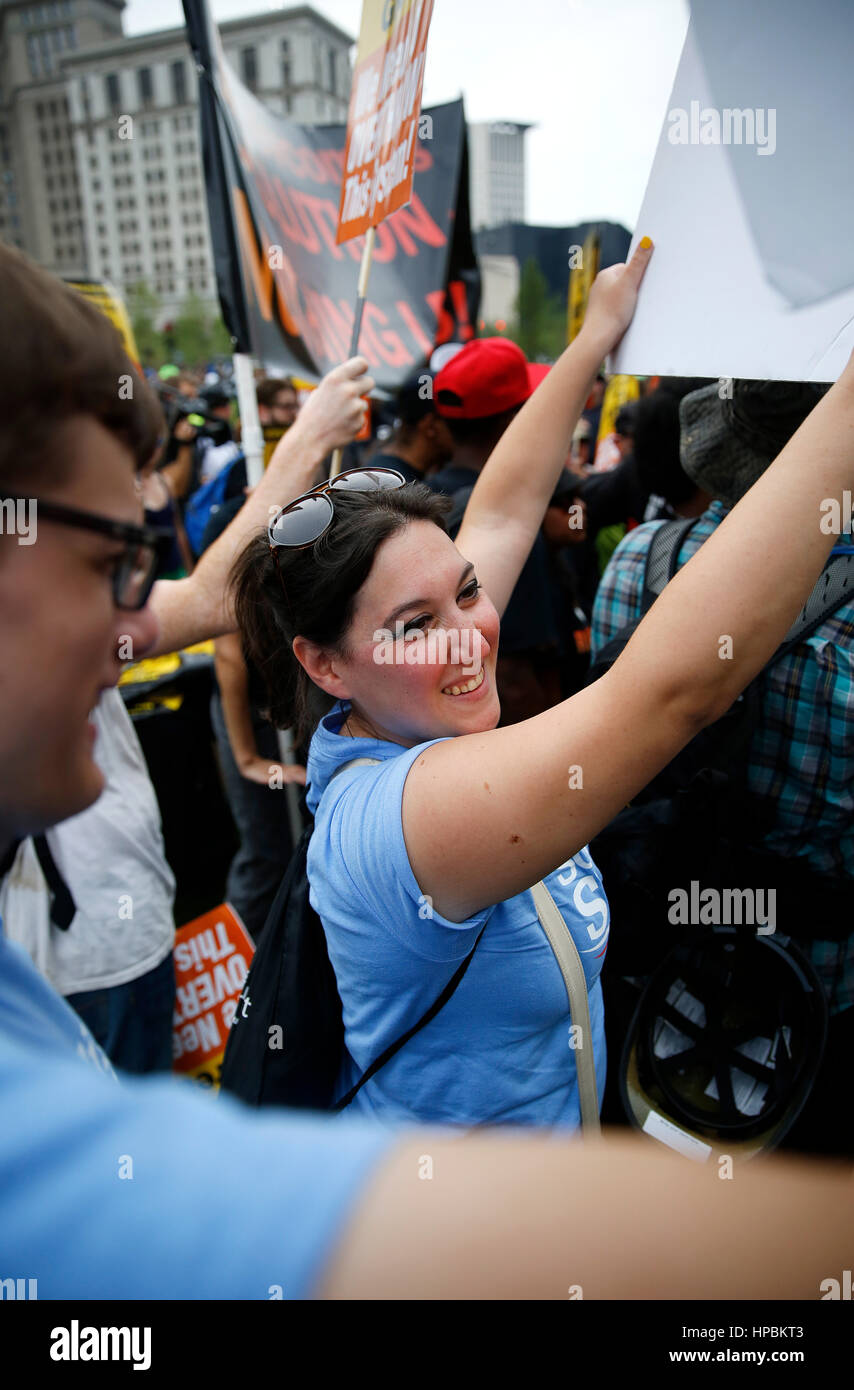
x,y
303,521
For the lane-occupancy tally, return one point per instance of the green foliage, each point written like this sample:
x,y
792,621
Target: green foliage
x,y
220,338
193,331
195,337
540,324
142,306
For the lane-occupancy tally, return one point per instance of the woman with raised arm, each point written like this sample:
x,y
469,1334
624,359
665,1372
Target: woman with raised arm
x,y
360,601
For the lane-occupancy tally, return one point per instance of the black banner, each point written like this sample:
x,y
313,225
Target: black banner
x,y
287,290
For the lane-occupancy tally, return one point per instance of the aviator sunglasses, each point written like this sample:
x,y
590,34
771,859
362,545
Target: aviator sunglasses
x,y
303,521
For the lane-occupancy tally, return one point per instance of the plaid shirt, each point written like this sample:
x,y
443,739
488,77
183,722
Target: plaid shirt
x,y
802,753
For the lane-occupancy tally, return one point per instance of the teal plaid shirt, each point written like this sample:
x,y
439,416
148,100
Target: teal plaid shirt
x,y
802,755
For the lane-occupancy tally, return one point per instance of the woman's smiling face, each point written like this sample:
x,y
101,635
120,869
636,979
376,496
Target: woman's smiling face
x,y
421,629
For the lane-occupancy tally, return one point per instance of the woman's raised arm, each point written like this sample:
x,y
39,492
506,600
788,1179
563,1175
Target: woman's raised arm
x,y
486,815
510,498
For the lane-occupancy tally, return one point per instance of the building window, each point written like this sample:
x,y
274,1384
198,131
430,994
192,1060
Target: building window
x,y
145,86
249,67
179,83
114,96
332,72
45,53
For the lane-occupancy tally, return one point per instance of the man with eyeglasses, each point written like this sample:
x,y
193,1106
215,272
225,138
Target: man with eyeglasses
x,y
91,900
221,1202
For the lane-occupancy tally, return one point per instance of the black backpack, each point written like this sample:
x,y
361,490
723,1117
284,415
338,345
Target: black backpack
x,y
286,1042
696,820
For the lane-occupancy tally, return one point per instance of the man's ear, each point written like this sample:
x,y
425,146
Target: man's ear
x,y
321,667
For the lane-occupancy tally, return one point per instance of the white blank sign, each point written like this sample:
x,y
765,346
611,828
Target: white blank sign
x,y
753,272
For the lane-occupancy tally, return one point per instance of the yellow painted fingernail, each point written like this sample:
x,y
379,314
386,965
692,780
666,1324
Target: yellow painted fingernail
x,y
645,243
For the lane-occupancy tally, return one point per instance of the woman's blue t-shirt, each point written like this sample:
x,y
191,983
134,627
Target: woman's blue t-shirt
x,y
502,1050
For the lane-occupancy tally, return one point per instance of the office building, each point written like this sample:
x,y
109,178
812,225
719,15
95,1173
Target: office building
x,y
100,165
497,165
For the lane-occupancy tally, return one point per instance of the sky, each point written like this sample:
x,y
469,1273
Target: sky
x,y
592,76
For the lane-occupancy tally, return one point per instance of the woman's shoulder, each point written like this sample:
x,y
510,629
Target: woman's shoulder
x,y
358,860
338,764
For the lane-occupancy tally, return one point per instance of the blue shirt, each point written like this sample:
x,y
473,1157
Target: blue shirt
x,y
501,1050
801,759
215,1202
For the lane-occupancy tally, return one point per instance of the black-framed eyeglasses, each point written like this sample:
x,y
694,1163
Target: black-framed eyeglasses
x,y
146,547
303,521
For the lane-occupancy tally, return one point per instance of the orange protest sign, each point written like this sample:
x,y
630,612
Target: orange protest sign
x,y
385,105
212,955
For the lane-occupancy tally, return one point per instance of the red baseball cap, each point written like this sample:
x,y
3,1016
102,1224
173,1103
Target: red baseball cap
x,y
487,376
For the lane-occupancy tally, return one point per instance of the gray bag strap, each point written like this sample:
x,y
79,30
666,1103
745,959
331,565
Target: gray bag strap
x,y
572,969
355,762
833,588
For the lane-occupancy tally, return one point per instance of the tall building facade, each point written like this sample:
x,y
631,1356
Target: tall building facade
x,y
100,165
497,165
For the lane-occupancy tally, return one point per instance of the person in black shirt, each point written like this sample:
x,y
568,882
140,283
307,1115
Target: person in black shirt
x,y
421,442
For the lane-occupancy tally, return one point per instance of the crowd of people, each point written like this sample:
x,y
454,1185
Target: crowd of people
x,y
441,790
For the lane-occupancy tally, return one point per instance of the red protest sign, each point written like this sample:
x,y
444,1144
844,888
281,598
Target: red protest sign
x,y
212,955
385,104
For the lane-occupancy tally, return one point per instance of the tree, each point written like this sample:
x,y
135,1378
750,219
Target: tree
x,y
221,343
192,339
193,331
540,327
142,305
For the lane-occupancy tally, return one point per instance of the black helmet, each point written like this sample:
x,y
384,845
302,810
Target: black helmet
x,y
725,1044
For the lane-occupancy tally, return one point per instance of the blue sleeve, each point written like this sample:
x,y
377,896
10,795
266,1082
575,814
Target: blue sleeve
x,y
153,1191
364,827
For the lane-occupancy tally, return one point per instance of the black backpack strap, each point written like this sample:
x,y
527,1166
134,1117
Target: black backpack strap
x,y
662,558
8,859
63,907
394,1047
